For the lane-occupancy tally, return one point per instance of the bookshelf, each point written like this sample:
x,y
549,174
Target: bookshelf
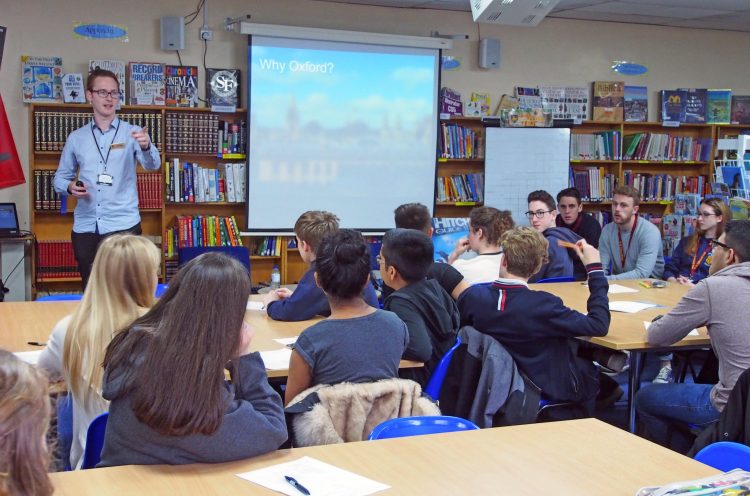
x,y
188,135
460,167
647,155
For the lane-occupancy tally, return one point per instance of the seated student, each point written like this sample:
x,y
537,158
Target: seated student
x,y
308,300
718,302
630,244
430,313
357,343
164,376
542,214
24,417
486,225
120,289
417,216
571,216
534,326
691,259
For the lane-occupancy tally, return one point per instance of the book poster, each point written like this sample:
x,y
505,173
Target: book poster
x,y
740,109
41,78
565,102
636,103
73,91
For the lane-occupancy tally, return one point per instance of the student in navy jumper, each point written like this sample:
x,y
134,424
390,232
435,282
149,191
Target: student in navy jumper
x,y
542,214
308,300
571,216
536,328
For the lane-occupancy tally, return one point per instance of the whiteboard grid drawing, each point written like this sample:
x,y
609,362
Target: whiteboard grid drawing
x,y
521,160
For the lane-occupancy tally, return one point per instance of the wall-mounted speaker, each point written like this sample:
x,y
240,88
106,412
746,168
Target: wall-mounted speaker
x,y
172,31
489,53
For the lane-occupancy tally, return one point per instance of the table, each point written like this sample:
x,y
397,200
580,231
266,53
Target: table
x,y
626,330
531,459
32,321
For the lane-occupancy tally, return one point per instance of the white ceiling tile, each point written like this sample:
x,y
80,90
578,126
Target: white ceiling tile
x,y
734,5
627,8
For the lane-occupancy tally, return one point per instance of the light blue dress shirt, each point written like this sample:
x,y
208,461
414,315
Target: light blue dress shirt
x,y
90,152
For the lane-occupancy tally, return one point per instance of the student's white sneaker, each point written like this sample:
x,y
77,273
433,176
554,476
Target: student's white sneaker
x,y
665,376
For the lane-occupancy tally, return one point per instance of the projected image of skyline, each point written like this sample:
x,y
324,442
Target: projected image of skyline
x,y
323,120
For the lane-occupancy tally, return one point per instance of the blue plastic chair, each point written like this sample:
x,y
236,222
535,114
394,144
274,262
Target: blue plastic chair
x,y
557,279
61,297
435,384
725,456
95,441
160,289
418,426
64,410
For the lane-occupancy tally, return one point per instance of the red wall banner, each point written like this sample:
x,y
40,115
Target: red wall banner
x,y
11,172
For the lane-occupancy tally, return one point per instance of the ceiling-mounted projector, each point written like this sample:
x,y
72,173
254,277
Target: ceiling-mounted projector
x,y
511,12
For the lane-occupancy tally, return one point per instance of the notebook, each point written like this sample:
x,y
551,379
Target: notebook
x,y
8,221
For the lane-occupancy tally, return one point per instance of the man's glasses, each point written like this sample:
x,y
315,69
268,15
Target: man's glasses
x,y
726,247
539,214
105,93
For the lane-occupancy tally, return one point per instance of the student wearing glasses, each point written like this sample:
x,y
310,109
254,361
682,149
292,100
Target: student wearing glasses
x,y
561,260
718,302
98,168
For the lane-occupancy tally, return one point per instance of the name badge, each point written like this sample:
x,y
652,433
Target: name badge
x,y
105,179
115,146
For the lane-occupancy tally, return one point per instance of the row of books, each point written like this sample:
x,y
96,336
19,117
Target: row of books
x,y
45,196
231,138
664,187
269,246
192,183
661,147
713,106
150,190
597,146
201,230
460,142
594,183
51,128
460,188
192,132
55,260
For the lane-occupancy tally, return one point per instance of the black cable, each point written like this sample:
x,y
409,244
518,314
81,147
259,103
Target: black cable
x,y
2,284
178,56
195,13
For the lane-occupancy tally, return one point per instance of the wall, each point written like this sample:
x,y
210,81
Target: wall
x,y
558,52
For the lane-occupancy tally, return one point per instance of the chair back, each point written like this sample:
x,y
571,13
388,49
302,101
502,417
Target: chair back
x,y
160,289
240,253
557,279
95,441
725,456
435,384
64,410
61,297
418,426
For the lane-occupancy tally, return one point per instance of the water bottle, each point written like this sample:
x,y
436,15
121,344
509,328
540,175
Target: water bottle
x,y
275,277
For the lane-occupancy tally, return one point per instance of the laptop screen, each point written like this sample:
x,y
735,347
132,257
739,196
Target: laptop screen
x,y
8,219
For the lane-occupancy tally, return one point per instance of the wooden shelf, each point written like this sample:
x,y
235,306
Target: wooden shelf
x,y
203,204
593,161
664,162
47,280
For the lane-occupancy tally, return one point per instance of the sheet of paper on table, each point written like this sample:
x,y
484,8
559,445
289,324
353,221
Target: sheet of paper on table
x,y
619,289
276,359
629,306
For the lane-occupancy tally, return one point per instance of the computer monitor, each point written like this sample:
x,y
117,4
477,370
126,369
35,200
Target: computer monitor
x,y
8,220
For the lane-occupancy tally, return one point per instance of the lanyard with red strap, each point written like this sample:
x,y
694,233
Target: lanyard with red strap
x,y
623,254
698,260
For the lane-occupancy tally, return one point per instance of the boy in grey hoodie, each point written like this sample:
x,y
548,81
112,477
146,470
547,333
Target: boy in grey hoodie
x,y
720,303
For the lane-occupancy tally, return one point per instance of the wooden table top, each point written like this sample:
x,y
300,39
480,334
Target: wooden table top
x,y
547,458
32,321
626,330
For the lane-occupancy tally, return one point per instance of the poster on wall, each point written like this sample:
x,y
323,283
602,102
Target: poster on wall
x,y
41,78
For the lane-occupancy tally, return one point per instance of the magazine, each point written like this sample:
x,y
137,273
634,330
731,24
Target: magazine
x,y
445,232
734,482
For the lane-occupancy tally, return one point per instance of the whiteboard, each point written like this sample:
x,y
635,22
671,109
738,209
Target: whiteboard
x,y
521,160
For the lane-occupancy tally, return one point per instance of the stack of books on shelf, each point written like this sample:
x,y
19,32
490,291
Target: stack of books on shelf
x,y
461,188
460,142
665,147
45,197
230,139
598,146
201,230
51,128
192,183
192,132
663,187
55,260
594,183
269,246
149,190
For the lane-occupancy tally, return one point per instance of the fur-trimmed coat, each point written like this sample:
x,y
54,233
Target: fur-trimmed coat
x,y
349,412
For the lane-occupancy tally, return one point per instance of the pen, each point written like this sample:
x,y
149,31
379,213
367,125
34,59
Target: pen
x,y
36,343
296,485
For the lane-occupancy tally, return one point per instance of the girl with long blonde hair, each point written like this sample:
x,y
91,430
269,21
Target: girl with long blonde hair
x,y
24,417
121,289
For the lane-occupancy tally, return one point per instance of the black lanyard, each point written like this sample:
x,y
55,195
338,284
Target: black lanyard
x,y
624,254
98,149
